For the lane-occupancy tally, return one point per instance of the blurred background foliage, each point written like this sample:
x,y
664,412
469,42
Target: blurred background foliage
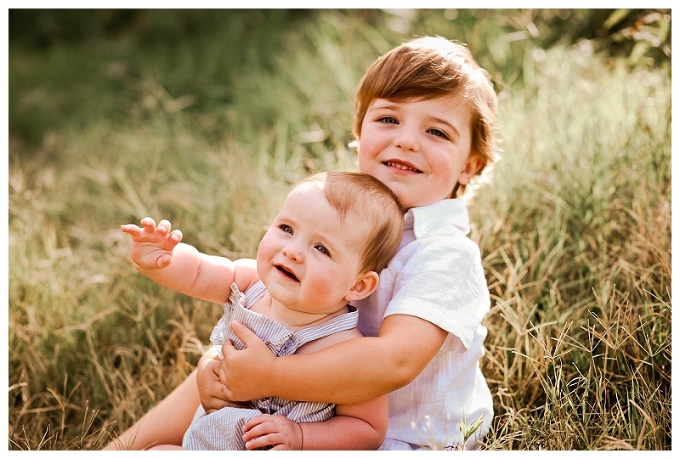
x,y
198,59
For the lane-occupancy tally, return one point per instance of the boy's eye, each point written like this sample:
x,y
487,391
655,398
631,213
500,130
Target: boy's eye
x,y
388,120
322,249
438,133
286,228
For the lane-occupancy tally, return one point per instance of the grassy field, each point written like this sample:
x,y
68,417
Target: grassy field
x,y
206,119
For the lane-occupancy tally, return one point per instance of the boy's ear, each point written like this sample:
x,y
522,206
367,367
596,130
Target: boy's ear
x,y
364,286
473,164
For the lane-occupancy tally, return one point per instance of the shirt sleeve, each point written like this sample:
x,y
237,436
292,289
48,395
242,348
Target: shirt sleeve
x,y
443,282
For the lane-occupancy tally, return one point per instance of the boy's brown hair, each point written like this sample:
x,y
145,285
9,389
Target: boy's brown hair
x,y
370,200
428,68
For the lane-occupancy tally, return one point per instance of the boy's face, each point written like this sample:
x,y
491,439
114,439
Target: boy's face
x,y
309,258
420,149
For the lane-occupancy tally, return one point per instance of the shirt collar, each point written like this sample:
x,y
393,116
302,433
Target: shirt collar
x,y
445,213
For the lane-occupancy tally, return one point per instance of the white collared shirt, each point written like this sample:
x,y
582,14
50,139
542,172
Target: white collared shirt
x,y
437,275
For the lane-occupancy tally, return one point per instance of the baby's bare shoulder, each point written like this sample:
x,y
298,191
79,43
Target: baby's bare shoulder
x,y
329,340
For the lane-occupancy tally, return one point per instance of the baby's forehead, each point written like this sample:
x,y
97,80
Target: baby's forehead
x,y
307,185
306,191
354,215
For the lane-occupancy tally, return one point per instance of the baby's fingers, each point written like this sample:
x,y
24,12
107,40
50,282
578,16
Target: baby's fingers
x,y
163,227
175,237
277,432
254,422
149,224
131,229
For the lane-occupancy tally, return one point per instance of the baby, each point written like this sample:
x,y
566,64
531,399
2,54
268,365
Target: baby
x,y
327,246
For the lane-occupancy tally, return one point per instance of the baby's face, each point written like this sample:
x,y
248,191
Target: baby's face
x,y
420,149
309,258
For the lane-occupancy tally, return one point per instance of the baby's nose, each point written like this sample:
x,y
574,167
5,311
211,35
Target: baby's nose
x,y
293,252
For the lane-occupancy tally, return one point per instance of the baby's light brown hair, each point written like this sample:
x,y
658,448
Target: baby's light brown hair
x,y
428,68
364,196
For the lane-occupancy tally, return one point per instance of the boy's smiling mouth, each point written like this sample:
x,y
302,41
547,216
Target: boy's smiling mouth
x,y
401,165
283,270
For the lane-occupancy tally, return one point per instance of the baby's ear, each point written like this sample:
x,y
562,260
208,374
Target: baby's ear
x,y
365,285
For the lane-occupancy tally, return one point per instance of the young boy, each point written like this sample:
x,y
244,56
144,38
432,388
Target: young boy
x,y
425,125
334,234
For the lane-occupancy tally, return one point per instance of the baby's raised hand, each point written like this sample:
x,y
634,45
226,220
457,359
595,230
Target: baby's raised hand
x,y
151,246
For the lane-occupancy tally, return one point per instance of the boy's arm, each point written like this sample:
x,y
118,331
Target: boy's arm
x,y
158,254
361,426
365,368
350,372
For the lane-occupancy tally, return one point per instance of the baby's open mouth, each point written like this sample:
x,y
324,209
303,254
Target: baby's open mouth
x,y
287,273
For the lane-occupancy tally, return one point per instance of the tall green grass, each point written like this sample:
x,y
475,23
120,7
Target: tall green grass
x,y
573,224
576,237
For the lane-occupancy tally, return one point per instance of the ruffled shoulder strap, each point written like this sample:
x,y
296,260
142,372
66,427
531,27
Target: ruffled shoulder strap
x,y
254,293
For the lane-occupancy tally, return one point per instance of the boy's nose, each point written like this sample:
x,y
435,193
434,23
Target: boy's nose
x,y
406,141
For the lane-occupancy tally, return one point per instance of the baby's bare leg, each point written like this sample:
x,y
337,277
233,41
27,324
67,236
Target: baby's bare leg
x,y
166,423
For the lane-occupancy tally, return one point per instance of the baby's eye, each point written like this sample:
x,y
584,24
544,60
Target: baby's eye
x,y
388,120
438,133
322,249
286,228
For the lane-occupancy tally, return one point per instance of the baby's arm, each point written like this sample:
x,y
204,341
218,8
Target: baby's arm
x,y
158,254
362,426
211,390
359,426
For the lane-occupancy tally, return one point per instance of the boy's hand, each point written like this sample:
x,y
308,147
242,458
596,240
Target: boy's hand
x,y
210,388
151,247
278,432
247,371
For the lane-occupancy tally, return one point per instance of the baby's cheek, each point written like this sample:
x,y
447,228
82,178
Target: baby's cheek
x,y
322,284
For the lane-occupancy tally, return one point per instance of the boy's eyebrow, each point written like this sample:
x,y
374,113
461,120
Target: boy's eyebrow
x,y
390,106
385,105
439,120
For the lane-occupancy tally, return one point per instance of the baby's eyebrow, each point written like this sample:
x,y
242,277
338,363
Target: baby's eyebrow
x,y
327,242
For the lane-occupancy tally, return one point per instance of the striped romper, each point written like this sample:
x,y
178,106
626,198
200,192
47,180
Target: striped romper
x,y
222,429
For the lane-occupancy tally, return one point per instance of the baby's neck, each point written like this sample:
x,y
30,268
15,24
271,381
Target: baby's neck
x,y
292,319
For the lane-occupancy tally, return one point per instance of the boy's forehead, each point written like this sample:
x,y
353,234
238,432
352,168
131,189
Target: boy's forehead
x,y
451,99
